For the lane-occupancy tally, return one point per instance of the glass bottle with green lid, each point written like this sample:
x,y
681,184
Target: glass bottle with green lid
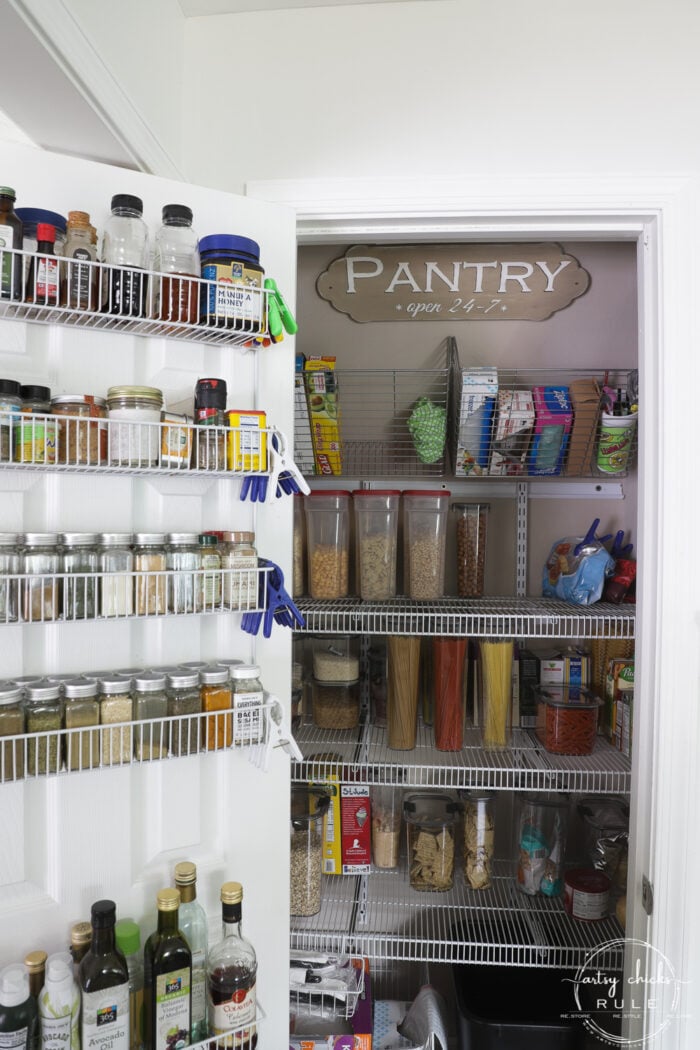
x,y
150,702
167,971
104,983
11,725
195,927
209,595
116,707
44,720
184,698
81,750
79,555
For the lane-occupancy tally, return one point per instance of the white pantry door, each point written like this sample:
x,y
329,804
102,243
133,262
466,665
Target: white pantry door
x,y
68,840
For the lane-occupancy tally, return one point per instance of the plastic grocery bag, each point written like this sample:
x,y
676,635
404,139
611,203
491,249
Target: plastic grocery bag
x,y
577,567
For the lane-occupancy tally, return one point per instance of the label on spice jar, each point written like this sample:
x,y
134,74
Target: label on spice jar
x,y
105,1024
247,717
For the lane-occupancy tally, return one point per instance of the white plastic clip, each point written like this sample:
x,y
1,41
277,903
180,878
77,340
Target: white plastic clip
x,y
277,735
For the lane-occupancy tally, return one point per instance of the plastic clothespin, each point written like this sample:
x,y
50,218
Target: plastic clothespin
x,y
285,477
618,550
274,599
254,488
277,735
590,538
283,311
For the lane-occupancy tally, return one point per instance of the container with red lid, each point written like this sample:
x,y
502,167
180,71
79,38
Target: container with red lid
x,y
586,894
328,542
567,718
376,532
424,533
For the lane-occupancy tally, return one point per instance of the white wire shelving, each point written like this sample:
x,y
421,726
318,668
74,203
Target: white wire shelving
x,y
137,302
507,617
303,999
382,917
243,1038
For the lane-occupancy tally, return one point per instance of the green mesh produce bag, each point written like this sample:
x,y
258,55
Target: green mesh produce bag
x,y
428,424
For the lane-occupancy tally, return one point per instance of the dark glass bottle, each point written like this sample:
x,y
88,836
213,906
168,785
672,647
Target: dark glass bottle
x,y
231,973
42,276
167,979
104,982
19,1024
10,239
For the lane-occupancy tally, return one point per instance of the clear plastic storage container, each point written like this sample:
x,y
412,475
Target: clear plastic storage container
x,y
309,807
567,718
540,846
424,534
431,824
328,540
376,532
478,839
336,705
472,522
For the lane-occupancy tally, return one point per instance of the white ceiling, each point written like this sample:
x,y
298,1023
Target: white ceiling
x,y
198,8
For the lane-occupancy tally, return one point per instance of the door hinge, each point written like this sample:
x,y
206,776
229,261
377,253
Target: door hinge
x,y
647,895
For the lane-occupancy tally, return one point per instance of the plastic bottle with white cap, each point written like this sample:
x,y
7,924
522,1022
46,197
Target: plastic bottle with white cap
x,y
59,1005
18,1010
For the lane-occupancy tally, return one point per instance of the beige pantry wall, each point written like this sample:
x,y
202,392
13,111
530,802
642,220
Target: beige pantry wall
x,y
598,330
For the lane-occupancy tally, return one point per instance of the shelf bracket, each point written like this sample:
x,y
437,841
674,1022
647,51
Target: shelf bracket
x,y
521,540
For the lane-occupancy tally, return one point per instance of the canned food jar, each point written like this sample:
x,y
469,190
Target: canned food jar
x,y
336,705
431,822
472,521
233,296
424,531
567,718
586,894
328,539
134,428
376,530
308,809
82,440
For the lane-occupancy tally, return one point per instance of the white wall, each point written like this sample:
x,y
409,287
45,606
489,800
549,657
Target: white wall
x,y
446,87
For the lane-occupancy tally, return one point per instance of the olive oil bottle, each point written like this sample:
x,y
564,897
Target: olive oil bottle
x,y
167,972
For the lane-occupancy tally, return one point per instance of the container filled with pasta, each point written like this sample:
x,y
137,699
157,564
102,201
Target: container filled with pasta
x,y
496,655
567,718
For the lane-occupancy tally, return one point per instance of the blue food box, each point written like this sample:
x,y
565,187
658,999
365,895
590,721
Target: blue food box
x,y
553,420
476,410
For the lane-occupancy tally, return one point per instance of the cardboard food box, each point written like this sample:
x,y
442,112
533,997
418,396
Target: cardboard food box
x,y
331,863
355,828
565,667
324,413
514,422
478,399
584,395
360,1024
246,446
303,443
553,419
619,694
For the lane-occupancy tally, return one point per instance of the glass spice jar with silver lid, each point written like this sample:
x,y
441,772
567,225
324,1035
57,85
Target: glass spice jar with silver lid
x,y
134,425
240,560
43,713
247,703
217,729
40,591
150,702
116,563
208,598
184,698
11,724
81,748
79,556
184,557
116,708
150,581
9,567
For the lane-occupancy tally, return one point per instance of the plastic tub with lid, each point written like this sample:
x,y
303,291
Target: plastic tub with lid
x,y
567,718
328,542
376,531
424,534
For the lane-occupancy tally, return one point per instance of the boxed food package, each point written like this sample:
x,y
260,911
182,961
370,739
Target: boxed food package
x,y
331,863
303,443
339,1033
476,407
514,422
619,697
584,395
355,828
565,667
324,413
528,676
553,418
246,448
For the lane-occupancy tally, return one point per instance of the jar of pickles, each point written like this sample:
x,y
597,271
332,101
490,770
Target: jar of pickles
x,y
81,750
79,556
183,555
9,567
150,589
150,702
44,717
116,708
184,698
217,729
82,429
11,724
40,590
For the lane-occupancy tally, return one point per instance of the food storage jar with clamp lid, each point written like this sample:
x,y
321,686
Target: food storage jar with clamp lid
x,y
431,824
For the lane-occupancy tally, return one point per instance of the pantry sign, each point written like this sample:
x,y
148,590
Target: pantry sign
x,y
448,282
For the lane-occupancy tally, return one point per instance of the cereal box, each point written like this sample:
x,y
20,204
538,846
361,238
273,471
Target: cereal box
x,y
553,418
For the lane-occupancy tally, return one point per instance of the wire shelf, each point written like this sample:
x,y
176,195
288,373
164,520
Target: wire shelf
x,y
507,617
63,751
242,1038
136,302
364,755
78,597
70,444
496,926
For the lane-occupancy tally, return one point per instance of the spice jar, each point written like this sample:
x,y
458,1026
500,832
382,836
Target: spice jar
x,y
10,408
240,558
44,716
335,705
81,750
376,530
11,724
328,538
216,694
478,839
150,702
431,821
424,534
116,707
472,520
208,594
247,703
150,588
79,555
308,809
82,429
9,566
210,430
40,591
183,556
184,699
36,430
116,562
134,425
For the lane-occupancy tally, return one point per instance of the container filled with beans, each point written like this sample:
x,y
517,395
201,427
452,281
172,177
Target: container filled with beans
x,y
328,541
472,521
567,718
376,529
308,809
424,534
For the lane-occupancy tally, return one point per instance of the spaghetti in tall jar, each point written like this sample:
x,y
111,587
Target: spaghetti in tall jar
x,y
496,710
